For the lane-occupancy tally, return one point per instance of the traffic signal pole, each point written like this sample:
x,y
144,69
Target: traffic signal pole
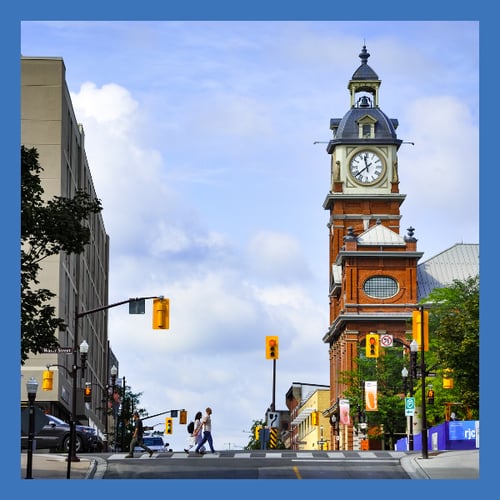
x,y
273,404
425,447
72,436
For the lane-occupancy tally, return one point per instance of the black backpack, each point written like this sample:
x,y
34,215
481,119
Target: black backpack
x,y
190,427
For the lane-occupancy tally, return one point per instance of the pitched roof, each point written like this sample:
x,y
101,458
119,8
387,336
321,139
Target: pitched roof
x,y
459,262
380,235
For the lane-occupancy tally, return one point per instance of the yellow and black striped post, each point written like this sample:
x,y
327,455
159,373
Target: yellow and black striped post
x,y
273,438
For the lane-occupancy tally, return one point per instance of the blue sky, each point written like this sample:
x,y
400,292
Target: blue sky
x,y
200,138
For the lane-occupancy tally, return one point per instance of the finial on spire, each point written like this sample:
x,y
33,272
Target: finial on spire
x,y
364,55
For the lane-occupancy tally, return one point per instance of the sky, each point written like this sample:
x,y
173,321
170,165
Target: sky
x,y
207,146
201,140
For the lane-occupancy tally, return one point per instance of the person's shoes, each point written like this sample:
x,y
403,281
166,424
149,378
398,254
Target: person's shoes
x,y
151,453
129,456
186,450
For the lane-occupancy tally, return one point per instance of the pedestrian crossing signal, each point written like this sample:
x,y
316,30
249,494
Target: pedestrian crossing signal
x,y
87,394
272,351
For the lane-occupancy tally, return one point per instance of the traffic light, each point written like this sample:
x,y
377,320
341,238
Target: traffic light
x,y
430,397
47,380
161,314
314,418
257,432
272,351
169,425
372,345
87,393
417,328
447,378
183,417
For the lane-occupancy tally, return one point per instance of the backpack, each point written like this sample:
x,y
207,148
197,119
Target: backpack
x,y
190,427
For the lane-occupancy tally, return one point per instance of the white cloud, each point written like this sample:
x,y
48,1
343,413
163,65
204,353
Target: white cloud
x,y
200,141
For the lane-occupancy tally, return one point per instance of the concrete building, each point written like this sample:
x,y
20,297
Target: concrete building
x,y
80,282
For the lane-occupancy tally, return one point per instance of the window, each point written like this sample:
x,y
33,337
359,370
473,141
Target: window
x,y
381,287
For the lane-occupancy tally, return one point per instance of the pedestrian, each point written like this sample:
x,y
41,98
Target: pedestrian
x,y
196,436
206,423
137,437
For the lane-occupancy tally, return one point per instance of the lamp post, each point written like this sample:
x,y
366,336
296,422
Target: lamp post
x,y
31,388
404,374
84,349
113,372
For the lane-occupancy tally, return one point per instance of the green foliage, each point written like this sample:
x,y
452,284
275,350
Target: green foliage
x,y
47,228
129,404
254,444
386,370
453,344
454,320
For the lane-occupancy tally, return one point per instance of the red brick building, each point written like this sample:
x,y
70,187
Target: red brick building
x,y
373,268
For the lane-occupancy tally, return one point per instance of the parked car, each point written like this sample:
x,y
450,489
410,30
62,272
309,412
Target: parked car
x,y
154,443
55,435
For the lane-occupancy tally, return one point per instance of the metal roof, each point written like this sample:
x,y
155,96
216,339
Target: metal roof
x,y
459,262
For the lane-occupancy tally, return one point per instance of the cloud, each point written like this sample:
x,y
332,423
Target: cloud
x,y
199,137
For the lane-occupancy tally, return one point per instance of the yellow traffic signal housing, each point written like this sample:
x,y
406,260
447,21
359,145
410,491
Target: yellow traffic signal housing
x,y
47,380
87,394
169,425
417,328
161,314
372,345
447,378
430,397
257,432
272,351
315,418
183,417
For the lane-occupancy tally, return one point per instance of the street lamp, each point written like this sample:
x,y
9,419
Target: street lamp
x,y
404,374
114,373
84,349
31,388
110,399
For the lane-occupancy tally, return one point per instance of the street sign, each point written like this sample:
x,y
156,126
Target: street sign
x,y
409,407
386,340
40,420
273,419
57,350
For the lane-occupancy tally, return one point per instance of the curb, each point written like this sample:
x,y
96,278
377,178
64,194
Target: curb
x,y
413,468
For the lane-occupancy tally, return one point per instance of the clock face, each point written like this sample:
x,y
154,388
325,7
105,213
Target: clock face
x,y
366,167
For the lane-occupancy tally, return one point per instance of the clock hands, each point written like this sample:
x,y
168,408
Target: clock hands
x,y
365,167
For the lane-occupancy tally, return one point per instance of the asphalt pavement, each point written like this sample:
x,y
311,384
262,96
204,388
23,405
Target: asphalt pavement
x,y
462,464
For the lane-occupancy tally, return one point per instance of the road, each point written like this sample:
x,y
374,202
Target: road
x,y
257,464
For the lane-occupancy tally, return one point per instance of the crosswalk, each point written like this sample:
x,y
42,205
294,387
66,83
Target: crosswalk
x,y
297,455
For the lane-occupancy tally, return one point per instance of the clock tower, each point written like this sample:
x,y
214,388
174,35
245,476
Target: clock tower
x,y
372,268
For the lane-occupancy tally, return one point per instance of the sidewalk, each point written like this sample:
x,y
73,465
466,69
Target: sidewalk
x,y
461,464
55,466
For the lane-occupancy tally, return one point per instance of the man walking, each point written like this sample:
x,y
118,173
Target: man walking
x,y
206,422
137,437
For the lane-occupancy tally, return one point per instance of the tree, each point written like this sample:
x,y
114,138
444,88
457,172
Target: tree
x,y
454,327
386,370
47,228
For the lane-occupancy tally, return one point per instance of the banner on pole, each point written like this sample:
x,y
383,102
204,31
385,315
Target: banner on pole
x,y
371,395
